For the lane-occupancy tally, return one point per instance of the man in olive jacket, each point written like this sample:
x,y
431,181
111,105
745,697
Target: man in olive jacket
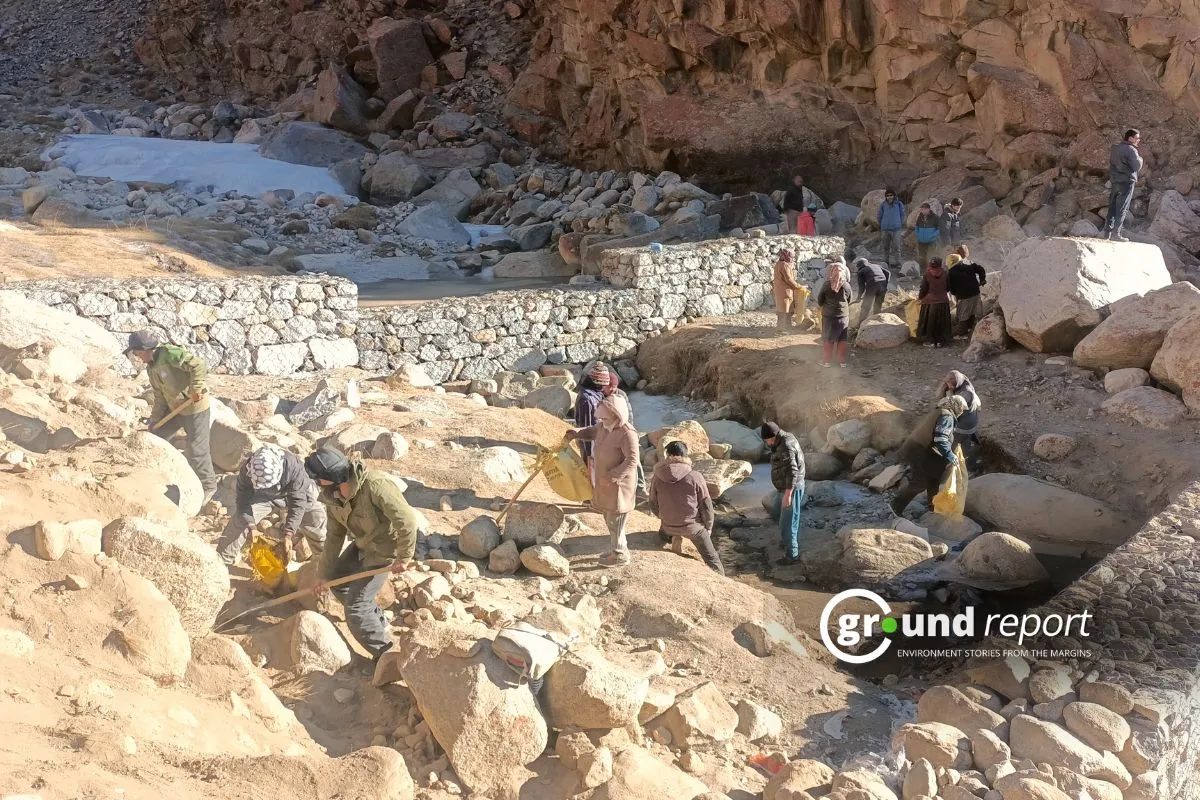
x,y
369,508
177,378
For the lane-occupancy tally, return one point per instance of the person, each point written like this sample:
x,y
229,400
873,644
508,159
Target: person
x,y
929,454
615,457
614,390
178,379
966,427
927,231
367,507
952,223
1124,164
891,224
272,477
834,301
873,282
806,223
964,280
679,497
933,325
591,392
793,204
783,286
787,476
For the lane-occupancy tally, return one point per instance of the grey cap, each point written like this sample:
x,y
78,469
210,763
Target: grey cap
x,y
327,464
143,340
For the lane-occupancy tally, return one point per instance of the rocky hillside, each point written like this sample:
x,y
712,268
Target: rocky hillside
x,y
740,90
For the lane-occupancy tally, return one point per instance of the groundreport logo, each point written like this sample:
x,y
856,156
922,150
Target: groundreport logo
x,y
855,627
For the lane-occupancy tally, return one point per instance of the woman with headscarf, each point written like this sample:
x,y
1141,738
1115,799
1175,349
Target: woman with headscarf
x,y
615,391
966,428
834,302
934,327
783,284
591,391
615,458
929,453
272,478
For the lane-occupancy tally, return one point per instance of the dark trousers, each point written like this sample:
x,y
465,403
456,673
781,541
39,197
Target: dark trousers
x,y
871,302
1118,207
925,476
704,543
196,449
364,617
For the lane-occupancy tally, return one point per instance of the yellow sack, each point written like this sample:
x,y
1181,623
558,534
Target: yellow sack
x,y
265,562
799,300
566,472
951,499
912,315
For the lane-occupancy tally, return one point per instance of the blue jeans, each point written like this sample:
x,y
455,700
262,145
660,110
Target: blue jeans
x,y
789,522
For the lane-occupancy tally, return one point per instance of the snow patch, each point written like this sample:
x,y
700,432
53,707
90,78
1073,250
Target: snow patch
x,y
196,166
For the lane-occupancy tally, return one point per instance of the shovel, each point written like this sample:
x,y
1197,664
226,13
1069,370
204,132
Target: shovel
x,y
296,595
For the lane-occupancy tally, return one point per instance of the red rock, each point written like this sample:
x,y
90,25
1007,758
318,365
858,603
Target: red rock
x,y
400,52
456,64
339,101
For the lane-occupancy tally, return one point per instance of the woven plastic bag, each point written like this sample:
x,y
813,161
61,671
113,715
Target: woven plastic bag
x,y
912,315
951,499
566,473
264,560
799,301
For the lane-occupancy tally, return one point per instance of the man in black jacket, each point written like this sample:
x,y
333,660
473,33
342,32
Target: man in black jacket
x,y
964,280
793,205
872,288
1124,164
787,475
274,478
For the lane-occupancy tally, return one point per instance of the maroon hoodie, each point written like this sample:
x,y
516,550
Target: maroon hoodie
x,y
933,286
679,496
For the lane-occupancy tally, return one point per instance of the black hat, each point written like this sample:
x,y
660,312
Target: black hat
x,y
327,464
143,340
769,430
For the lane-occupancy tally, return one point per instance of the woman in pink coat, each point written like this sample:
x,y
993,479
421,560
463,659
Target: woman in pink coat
x,y
614,474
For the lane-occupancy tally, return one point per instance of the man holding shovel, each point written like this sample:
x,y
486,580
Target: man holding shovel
x,y
370,509
180,400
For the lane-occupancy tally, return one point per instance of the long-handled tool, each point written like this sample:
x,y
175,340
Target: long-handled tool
x,y
537,471
296,595
179,409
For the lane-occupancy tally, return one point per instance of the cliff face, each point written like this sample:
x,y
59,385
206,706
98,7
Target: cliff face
x,y
849,92
888,87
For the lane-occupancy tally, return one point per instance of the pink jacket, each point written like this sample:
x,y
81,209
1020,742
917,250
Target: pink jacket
x,y
614,457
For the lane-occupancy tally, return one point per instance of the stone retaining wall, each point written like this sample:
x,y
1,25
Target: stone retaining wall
x,y
1144,598
262,325
281,325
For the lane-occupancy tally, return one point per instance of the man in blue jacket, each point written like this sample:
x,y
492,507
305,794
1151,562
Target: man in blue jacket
x,y
891,224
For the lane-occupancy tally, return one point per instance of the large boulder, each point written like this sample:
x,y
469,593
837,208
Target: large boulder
x,y
744,211
744,443
230,445
310,144
307,642
53,540
156,470
489,726
988,339
690,432
1176,365
537,264
587,691
183,566
24,322
1134,332
557,401
434,222
875,556
1148,407
637,775
849,437
395,178
400,52
1054,288
1051,519
797,779
455,192
479,537
721,475
545,560
881,332
146,627
339,101
1175,222
995,562
700,716
359,437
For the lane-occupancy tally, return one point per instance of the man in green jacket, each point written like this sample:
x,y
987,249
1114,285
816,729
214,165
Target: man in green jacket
x,y
178,378
369,507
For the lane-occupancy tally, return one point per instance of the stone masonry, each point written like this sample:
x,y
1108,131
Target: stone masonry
x,y
279,326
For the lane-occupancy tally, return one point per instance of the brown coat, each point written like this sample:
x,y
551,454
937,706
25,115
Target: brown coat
x,y
782,286
614,457
679,496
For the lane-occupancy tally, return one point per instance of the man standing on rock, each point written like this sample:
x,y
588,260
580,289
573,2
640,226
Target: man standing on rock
x,y
787,475
679,496
178,380
952,223
793,205
369,508
1124,163
274,478
891,225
